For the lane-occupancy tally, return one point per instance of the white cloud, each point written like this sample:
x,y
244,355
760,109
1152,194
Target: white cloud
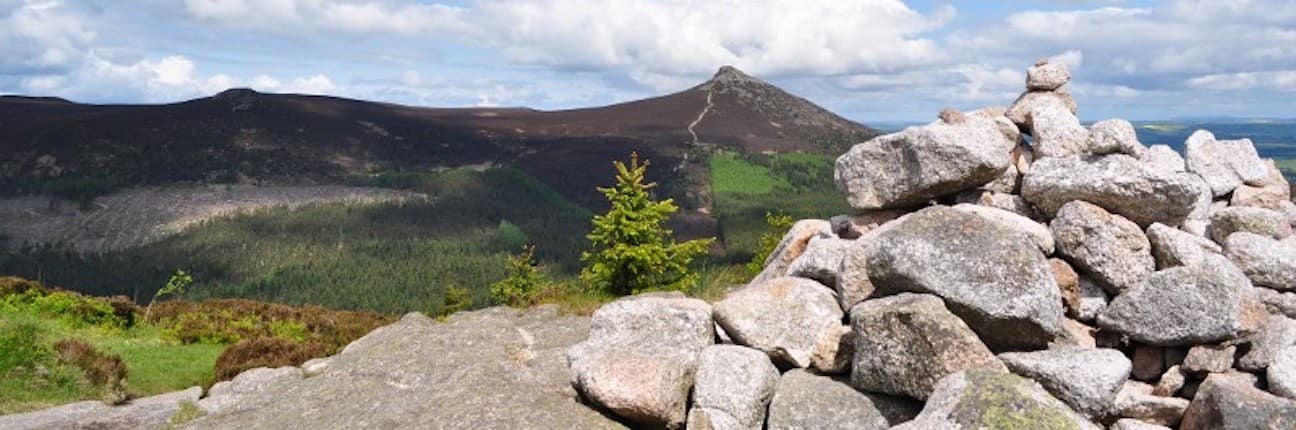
x,y
1284,80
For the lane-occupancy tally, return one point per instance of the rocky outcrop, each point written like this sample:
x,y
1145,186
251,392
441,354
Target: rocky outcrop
x,y
147,412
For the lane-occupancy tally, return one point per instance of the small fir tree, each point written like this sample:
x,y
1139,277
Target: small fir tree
x,y
523,282
632,249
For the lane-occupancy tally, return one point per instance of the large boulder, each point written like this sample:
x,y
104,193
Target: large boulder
x,y
1266,262
805,400
821,261
1115,136
1037,233
1117,182
1231,403
147,412
1000,284
1173,247
1185,306
1235,219
981,399
1109,248
792,245
1019,111
497,368
1085,379
1056,129
921,163
1164,159
1273,192
906,343
1224,164
787,318
733,387
641,356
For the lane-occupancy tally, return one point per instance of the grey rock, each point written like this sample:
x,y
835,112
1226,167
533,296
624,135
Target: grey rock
x,y
1231,403
1277,303
1171,382
315,366
1281,374
1278,333
981,399
227,394
833,356
921,163
1046,76
1115,136
791,246
821,260
1173,247
1118,183
854,284
1235,219
1008,182
1000,284
1129,424
1185,306
1271,193
1075,334
1037,233
1289,209
496,368
1019,111
806,401
1135,401
733,388
906,343
1093,299
1164,159
641,355
1004,201
1109,248
854,226
1224,164
1085,379
1056,129
787,318
1209,358
1266,262
147,412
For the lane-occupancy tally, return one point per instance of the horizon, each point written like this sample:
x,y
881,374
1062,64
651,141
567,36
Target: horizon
x,y
874,61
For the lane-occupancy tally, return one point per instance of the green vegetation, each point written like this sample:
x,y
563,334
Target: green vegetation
x,y
778,223
524,282
632,250
175,285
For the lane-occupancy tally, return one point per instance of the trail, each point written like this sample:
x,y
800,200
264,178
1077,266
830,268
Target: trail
x,y
701,115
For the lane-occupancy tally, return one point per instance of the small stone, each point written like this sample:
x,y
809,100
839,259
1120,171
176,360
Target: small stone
x,y
1129,424
1068,283
1170,383
1272,193
854,226
821,260
1111,249
1266,262
792,245
1019,111
1235,219
1093,299
1085,379
1047,76
787,318
833,356
1136,401
1209,358
1278,333
1148,363
1075,334
1277,303
1231,403
1281,373
1056,129
1224,164
1173,247
1115,136
1164,159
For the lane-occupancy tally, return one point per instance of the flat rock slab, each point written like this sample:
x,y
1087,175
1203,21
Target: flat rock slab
x,y
1117,182
147,412
1084,378
496,368
1186,306
806,401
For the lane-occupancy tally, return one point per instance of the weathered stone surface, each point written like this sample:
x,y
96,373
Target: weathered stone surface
x,y
1093,299
1278,333
999,284
982,399
1019,111
227,394
1136,401
1185,306
1289,209
1115,136
147,412
1230,403
1075,334
1271,193
1164,159
1210,358
806,401
792,245
787,318
1224,164
833,356
854,226
733,388
1109,248
1266,262
1047,76
1117,183
1037,233
906,343
315,366
1085,379
821,260
1277,303
1056,129
853,282
1173,247
1281,373
1171,382
1148,362
495,368
1068,283
1239,219
921,163
1008,202
1129,424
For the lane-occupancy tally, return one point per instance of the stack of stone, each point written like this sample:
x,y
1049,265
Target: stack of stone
x,y
1006,269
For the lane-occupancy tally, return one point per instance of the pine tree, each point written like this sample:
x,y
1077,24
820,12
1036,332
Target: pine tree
x,y
523,282
632,249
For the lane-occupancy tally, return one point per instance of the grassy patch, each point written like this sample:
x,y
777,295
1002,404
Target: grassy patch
x,y
800,185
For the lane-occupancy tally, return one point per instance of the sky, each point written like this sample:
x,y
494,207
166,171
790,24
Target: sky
x,y
868,60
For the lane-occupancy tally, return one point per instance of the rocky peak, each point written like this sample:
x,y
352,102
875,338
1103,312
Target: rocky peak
x,y
731,75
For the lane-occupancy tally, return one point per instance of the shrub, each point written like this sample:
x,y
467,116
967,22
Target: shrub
x,y
83,190
265,352
10,285
78,310
20,346
101,369
231,320
632,250
523,282
778,224
456,299
175,285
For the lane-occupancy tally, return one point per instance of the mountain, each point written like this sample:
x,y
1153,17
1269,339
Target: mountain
x,y
244,136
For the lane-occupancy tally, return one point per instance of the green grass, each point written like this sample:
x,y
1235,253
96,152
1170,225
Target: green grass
x,y
730,174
